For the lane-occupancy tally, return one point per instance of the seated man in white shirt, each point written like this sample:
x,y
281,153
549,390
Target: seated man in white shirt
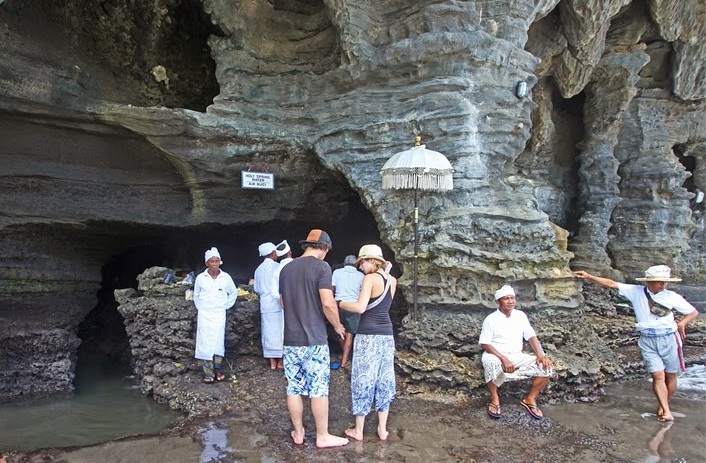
x,y
660,335
502,339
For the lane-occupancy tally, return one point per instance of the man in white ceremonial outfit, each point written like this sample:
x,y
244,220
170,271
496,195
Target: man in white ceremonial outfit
x,y
271,319
502,339
284,254
214,293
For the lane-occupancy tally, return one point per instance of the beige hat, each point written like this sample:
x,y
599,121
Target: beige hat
x,y
658,273
370,251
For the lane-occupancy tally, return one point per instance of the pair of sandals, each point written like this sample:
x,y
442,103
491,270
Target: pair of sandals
x,y
495,412
219,377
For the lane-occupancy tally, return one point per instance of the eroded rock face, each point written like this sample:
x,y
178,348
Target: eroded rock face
x,y
589,346
599,167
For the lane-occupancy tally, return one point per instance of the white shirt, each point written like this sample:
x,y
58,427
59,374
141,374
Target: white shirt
x,y
348,281
646,319
213,296
263,285
506,334
275,279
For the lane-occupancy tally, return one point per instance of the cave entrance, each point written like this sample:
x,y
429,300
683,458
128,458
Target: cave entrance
x,y
140,247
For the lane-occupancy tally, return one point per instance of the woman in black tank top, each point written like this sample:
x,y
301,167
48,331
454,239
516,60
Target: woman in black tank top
x,y
373,371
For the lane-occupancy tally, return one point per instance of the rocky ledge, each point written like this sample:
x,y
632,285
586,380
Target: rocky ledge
x,y
588,351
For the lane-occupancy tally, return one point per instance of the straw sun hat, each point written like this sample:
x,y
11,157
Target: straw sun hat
x,y
370,251
658,273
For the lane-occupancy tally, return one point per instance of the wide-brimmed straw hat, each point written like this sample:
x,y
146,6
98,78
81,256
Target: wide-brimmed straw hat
x,y
370,251
658,273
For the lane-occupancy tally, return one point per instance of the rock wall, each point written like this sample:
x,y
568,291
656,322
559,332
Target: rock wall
x,y
439,353
137,128
161,327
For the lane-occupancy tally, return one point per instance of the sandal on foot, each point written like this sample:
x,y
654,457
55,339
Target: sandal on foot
x,y
494,411
207,380
220,377
533,410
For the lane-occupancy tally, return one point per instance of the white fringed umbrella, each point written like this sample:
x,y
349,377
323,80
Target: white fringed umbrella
x,y
417,168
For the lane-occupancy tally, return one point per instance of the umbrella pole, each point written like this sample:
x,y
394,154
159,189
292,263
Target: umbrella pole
x,y
415,313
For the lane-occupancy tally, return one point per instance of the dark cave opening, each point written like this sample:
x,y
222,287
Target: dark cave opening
x,y
138,248
689,162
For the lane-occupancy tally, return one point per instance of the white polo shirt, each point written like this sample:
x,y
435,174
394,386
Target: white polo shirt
x,y
506,334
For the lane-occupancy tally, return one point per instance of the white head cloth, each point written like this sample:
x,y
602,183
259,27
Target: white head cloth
x,y
283,248
213,252
265,249
504,291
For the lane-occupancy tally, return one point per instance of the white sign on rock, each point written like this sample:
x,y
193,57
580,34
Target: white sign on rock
x,y
257,180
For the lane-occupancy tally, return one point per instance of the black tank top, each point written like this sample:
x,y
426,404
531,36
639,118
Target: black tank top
x,y
377,320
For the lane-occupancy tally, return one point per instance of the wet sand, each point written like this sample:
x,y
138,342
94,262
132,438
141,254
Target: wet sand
x,y
423,428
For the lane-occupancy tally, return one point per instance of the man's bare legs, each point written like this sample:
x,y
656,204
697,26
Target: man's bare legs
x,y
295,404
671,380
661,386
538,385
347,347
493,390
319,408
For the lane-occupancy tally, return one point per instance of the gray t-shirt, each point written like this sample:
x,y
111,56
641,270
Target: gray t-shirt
x,y
299,285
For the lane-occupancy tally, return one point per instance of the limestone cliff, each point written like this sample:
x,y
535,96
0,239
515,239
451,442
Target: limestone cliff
x,y
125,127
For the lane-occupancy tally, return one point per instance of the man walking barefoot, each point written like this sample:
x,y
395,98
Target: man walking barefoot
x,y
307,300
660,335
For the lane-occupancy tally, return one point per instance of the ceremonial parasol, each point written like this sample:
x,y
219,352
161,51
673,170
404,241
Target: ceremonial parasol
x,y
417,168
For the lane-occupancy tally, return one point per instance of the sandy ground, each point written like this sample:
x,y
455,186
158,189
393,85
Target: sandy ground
x,y
423,428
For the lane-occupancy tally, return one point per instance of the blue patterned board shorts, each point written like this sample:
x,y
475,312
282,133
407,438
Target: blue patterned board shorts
x,y
308,370
373,373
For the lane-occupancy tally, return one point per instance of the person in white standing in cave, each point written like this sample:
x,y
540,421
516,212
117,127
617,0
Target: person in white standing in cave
x,y
214,293
271,320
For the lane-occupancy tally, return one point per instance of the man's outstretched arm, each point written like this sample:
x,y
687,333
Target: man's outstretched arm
x,y
600,280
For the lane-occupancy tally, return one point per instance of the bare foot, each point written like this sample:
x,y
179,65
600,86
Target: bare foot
x,y
330,441
280,365
298,438
350,432
382,434
665,418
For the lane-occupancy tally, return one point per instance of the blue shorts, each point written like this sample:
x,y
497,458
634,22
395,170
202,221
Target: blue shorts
x,y
308,370
660,353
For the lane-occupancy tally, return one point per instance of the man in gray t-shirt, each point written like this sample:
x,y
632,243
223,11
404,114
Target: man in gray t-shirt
x,y
307,299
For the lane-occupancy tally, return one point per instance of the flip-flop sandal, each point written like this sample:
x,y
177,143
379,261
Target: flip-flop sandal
x,y
335,365
220,377
532,410
208,381
494,411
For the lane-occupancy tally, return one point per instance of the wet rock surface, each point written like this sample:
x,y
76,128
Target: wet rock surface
x,y
423,427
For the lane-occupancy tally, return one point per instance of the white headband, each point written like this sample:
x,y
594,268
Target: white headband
x,y
504,291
